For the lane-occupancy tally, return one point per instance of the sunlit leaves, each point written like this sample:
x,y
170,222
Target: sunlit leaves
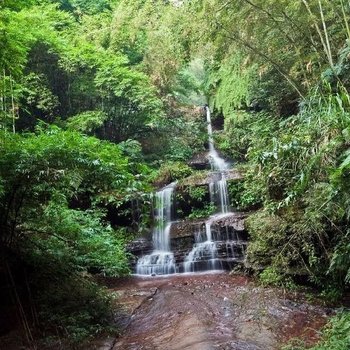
x,y
87,122
37,168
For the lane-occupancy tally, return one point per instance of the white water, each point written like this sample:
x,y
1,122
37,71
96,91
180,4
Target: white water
x,y
161,261
211,240
204,251
216,162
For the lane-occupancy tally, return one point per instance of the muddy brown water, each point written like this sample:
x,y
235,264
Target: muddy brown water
x,y
211,311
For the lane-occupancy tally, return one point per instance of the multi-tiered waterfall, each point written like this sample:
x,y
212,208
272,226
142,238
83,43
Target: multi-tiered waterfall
x,y
161,261
212,245
204,255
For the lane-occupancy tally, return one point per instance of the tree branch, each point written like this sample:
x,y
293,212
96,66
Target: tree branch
x,y
268,59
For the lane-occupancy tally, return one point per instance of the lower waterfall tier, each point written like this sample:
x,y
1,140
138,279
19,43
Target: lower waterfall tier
x,y
192,250
157,263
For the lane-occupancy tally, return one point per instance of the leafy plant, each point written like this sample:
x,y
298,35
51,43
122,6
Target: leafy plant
x,y
173,171
197,192
335,336
53,184
198,213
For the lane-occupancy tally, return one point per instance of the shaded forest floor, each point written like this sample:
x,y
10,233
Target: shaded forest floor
x,y
210,311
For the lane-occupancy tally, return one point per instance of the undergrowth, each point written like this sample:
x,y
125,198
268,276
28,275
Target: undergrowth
x,y
297,171
335,335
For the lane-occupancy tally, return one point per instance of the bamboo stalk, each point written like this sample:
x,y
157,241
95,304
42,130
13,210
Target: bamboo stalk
x,y
13,106
4,98
330,60
326,34
31,301
345,19
268,59
274,20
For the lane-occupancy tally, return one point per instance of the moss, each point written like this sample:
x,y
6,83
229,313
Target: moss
x,y
172,171
196,178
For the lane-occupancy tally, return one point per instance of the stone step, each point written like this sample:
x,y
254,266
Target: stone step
x,y
234,221
207,177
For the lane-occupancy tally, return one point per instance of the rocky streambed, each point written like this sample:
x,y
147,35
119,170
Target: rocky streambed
x,y
210,311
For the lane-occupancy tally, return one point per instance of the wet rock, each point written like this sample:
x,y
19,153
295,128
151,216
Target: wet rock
x,y
200,161
232,222
205,178
140,246
242,345
185,315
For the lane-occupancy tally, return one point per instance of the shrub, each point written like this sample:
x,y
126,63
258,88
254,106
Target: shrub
x,y
172,171
335,336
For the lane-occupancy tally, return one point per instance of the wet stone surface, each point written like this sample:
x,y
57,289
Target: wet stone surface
x,y
211,311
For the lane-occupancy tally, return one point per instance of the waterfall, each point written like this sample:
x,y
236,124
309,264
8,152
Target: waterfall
x,y
216,162
217,189
161,261
215,245
203,255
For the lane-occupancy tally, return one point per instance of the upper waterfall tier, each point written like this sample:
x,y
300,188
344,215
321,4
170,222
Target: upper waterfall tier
x,y
217,163
205,249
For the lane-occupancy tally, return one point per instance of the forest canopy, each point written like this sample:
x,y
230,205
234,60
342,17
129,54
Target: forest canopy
x,y
99,104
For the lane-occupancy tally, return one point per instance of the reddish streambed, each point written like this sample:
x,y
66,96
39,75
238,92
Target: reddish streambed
x,y
211,311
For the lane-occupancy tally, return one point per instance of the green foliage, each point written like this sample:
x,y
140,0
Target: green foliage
x,y
81,7
53,184
132,149
92,78
197,193
120,70
129,99
149,31
242,129
91,6
188,86
241,197
172,171
270,276
268,234
335,336
73,309
87,122
232,80
89,243
42,173
340,263
205,212
297,169
187,132
193,201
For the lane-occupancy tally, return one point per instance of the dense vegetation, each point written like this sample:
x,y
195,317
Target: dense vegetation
x,y
97,104
83,127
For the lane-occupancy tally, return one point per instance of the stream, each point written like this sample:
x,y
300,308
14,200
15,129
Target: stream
x,y
178,300
210,311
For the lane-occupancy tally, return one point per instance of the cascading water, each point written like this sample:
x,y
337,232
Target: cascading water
x,y
216,245
217,189
216,162
204,255
161,261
